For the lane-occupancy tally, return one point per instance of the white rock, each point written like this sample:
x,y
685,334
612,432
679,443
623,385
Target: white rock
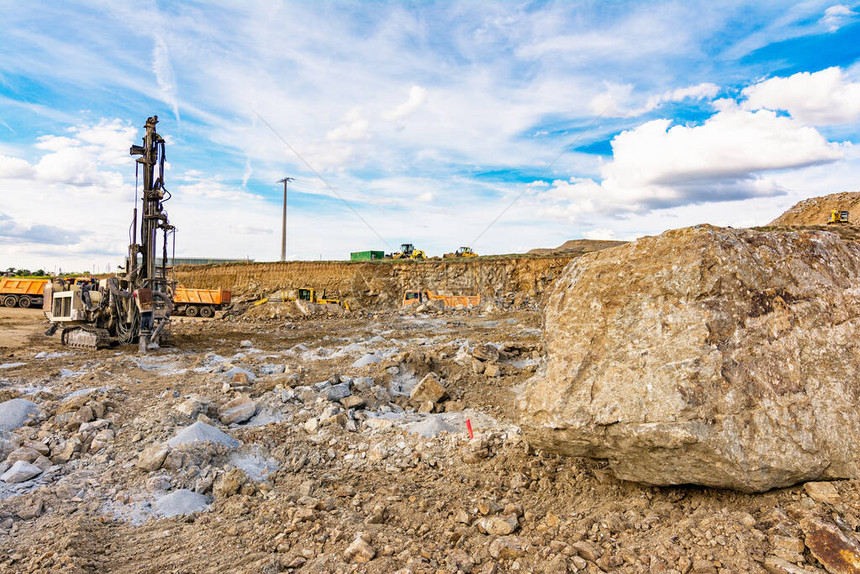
x,y
202,432
182,501
21,472
15,412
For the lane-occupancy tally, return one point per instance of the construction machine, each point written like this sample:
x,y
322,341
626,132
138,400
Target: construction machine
x,y
838,216
302,294
135,304
199,302
408,251
420,296
462,252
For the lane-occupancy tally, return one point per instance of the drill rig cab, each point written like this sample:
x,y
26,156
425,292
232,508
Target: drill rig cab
x,y
133,306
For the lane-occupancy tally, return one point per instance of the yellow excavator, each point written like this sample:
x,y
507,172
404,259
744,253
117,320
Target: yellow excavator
x,y
408,251
838,216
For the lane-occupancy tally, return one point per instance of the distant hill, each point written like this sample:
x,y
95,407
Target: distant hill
x,y
816,210
577,246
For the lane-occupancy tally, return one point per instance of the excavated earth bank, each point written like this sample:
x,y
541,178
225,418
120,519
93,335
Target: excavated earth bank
x,y
512,281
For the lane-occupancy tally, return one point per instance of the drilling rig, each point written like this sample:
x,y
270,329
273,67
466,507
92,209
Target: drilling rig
x,y
135,304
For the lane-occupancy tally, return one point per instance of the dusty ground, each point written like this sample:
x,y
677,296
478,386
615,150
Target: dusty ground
x,y
327,483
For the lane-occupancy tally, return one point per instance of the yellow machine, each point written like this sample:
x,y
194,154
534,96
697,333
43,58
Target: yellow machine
x,y
302,294
408,251
838,216
462,252
419,296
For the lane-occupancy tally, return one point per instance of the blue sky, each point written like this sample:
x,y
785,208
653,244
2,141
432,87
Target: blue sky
x,y
582,119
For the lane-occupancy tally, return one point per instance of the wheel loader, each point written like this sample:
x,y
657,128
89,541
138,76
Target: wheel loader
x,y
462,252
408,251
134,305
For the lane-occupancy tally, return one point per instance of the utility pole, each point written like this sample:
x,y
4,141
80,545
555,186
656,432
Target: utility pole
x,y
284,222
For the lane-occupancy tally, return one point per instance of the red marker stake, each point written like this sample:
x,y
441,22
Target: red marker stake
x,y
469,427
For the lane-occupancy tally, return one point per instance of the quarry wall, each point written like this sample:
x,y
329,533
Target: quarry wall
x,y
509,280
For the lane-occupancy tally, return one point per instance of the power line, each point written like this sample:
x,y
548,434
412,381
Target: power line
x,y
546,169
322,179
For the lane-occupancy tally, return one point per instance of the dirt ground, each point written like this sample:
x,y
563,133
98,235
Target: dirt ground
x,y
17,325
338,469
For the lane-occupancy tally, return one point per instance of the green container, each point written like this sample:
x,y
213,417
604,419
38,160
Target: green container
x,y
366,255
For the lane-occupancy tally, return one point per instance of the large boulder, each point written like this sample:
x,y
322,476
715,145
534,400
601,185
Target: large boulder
x,y
719,357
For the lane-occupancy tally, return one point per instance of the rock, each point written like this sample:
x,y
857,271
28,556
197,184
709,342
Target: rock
x,y
719,357
246,344
822,492
508,547
353,402
587,550
237,411
486,352
152,457
21,471
272,369
32,510
202,432
478,366
182,501
492,370
498,526
428,389
15,412
368,359
429,427
84,415
193,406
94,425
337,392
838,551
43,462
239,376
67,451
23,453
359,552
229,483
776,565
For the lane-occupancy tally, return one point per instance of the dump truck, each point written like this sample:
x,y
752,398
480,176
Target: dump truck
x,y
418,297
838,216
199,302
407,251
134,305
17,292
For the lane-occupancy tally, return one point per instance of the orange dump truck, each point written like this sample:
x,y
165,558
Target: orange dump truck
x,y
15,292
202,302
417,297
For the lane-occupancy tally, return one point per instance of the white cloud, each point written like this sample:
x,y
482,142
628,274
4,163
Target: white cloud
x,y
425,197
164,75
615,100
821,98
602,233
355,127
417,97
837,16
659,165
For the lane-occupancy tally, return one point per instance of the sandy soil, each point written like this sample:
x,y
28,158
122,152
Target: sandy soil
x,y
18,325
